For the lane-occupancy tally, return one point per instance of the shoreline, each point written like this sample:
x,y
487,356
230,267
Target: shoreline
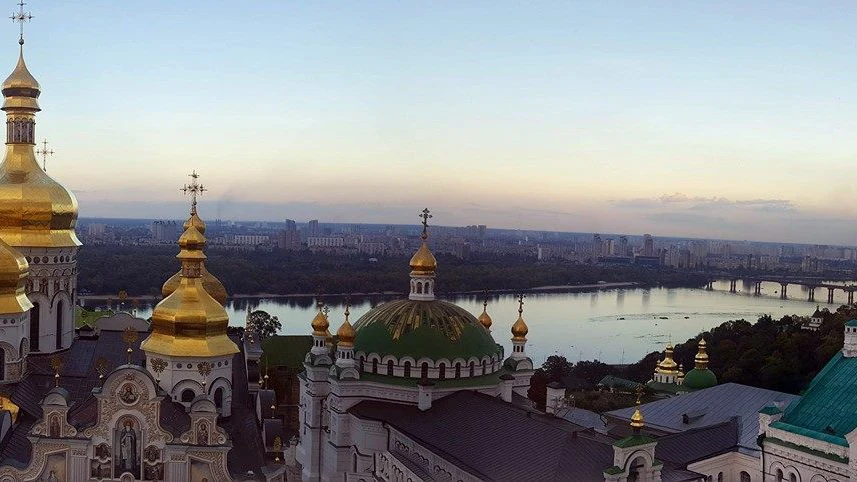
x,y
538,289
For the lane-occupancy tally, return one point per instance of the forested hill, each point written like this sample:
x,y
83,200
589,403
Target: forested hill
x,y
141,270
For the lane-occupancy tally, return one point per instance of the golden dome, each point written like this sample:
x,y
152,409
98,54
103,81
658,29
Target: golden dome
x,y
423,260
7,404
35,210
328,337
195,221
701,358
190,322
346,332
637,421
485,318
21,79
13,276
213,285
668,365
320,324
520,329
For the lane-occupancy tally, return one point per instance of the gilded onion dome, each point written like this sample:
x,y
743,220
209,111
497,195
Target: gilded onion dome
x,y
519,328
485,318
700,377
637,421
35,210
13,277
346,332
190,322
320,324
213,285
668,365
423,260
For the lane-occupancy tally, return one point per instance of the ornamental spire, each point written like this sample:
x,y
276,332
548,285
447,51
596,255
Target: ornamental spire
x,y
701,358
21,17
637,421
195,189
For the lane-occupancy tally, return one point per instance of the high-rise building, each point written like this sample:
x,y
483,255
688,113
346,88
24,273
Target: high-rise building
x,y
623,246
648,245
313,228
596,245
291,225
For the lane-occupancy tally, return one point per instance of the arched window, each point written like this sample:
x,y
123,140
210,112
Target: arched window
x,y
745,477
374,365
60,307
2,364
484,371
720,477
792,478
458,370
441,371
779,475
407,369
218,398
419,288
472,369
424,370
34,327
188,395
390,367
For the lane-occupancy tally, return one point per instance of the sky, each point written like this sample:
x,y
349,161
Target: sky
x,y
726,119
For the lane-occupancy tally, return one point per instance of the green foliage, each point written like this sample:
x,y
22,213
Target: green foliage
x,y
110,268
263,324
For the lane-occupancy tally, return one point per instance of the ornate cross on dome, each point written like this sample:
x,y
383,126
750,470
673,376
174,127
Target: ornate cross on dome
x,y
426,215
21,16
521,297
194,189
45,152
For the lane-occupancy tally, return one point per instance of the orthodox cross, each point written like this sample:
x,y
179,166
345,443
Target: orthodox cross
x,y
639,392
45,152
485,302
347,307
194,189
426,215
325,310
130,336
21,16
521,297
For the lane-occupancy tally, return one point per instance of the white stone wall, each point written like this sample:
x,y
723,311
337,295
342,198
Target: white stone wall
x,y
52,286
182,373
14,341
730,465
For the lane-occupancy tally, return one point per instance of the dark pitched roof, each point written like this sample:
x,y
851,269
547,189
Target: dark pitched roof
x,y
267,398
174,417
247,451
17,449
700,443
718,404
537,447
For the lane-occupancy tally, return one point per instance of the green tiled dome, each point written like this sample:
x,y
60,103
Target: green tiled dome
x,y
697,379
423,329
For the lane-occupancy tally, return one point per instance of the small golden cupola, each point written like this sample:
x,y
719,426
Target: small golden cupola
x,y
213,285
35,210
423,266
320,324
14,272
346,332
485,318
190,322
701,358
668,366
519,337
637,421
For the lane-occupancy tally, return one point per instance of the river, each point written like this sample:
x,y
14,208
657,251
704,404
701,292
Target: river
x,y
612,325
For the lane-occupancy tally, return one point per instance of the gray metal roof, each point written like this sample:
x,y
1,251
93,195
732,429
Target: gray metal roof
x,y
710,406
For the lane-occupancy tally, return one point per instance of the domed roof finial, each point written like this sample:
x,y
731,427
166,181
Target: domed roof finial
x,y
21,17
426,215
637,421
520,328
346,332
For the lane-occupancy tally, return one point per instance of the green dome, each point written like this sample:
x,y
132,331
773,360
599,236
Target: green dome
x,y
697,379
423,329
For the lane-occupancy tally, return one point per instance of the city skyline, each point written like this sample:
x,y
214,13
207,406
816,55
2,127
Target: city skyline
x,y
724,121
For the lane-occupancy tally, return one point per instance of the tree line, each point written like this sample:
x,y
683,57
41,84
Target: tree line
x,y
141,270
773,354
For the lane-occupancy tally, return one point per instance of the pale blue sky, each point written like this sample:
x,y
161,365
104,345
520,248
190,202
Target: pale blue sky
x,y
585,116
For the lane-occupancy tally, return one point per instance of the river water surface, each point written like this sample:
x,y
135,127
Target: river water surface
x,y
614,325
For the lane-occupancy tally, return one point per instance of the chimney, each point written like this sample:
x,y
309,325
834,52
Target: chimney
x,y
554,398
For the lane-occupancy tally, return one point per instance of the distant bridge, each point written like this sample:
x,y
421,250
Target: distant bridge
x,y
810,283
